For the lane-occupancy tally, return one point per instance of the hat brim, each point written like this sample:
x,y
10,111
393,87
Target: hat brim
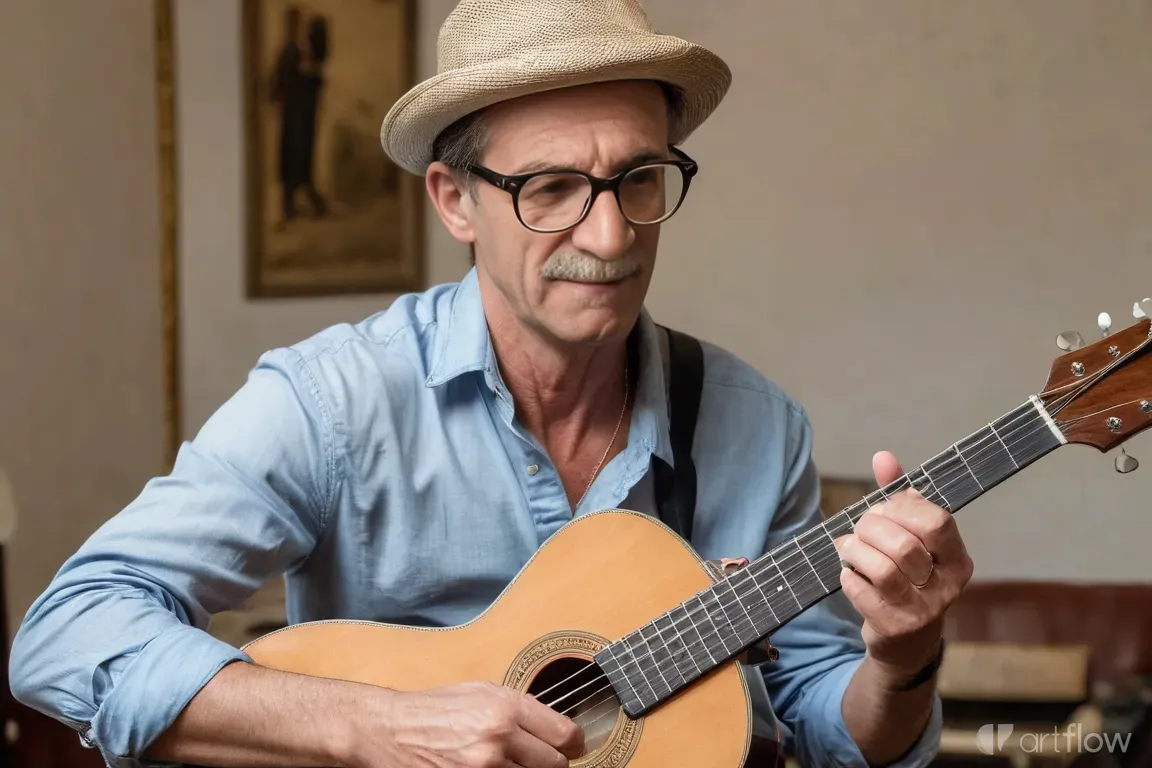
x,y
700,78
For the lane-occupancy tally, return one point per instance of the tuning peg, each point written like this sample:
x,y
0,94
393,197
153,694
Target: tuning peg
x,y
1138,310
1126,463
1069,341
1104,321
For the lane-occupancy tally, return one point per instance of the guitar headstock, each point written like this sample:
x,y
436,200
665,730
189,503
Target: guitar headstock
x,y
1101,394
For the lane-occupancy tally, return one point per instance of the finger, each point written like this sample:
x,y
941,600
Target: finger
x,y
551,727
876,567
900,545
886,468
931,524
530,752
865,597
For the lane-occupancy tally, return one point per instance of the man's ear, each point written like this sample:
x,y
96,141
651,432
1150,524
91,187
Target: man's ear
x,y
453,204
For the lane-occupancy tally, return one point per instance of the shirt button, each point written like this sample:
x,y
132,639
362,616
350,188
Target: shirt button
x,y
533,469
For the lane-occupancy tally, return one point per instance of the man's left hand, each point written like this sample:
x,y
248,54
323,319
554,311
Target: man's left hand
x,y
908,564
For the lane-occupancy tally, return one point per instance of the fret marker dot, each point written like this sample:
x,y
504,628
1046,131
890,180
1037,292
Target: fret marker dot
x,y
779,589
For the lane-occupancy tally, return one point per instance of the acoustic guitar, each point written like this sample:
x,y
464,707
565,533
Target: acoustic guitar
x,y
650,665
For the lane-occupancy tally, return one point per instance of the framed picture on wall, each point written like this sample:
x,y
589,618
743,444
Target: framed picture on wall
x,y
328,212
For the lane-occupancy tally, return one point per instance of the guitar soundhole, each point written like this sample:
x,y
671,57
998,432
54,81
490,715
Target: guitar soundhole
x,y
578,689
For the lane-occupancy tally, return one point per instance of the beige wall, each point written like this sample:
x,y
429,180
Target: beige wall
x,y
901,204
80,373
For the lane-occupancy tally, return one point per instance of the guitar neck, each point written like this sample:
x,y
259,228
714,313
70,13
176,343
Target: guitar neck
x,y
652,663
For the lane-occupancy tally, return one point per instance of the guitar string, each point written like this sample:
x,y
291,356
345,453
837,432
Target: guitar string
x,y
1030,414
847,511
1010,429
646,669
757,609
755,606
611,696
978,458
1105,410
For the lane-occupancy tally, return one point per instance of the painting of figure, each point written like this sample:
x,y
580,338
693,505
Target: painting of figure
x,y
329,213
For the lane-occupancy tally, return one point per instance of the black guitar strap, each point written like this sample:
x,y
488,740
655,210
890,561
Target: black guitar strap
x,y
675,486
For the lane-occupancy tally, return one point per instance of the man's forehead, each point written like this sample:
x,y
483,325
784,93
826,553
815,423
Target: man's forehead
x,y
608,124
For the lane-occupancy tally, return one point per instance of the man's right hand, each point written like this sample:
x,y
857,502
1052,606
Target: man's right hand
x,y
471,725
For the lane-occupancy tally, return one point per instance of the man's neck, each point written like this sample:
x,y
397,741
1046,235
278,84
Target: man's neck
x,y
571,398
555,383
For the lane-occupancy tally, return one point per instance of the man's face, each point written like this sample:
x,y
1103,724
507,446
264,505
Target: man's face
x,y
586,284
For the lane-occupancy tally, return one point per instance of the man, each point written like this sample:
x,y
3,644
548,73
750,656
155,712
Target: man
x,y
405,469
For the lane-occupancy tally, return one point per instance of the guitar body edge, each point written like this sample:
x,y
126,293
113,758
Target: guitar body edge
x,y
600,577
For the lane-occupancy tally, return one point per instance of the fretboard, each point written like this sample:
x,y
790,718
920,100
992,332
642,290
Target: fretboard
x,y
652,663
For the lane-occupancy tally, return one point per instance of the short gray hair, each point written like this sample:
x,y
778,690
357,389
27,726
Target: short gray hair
x,y
462,144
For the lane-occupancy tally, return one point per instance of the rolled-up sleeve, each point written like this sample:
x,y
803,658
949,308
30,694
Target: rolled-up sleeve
x,y
821,648
116,646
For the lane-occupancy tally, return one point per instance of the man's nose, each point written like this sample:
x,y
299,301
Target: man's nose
x,y
604,232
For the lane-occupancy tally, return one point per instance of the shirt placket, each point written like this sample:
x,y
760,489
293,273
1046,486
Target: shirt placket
x,y
539,481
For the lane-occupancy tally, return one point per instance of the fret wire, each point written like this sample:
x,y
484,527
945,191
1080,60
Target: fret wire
x,y
715,629
798,603
700,634
937,489
724,608
620,668
1009,452
743,607
699,642
756,583
719,634
956,447
650,656
668,649
668,654
823,525
632,651
796,539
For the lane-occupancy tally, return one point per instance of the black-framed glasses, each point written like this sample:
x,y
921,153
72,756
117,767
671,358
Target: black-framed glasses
x,y
553,201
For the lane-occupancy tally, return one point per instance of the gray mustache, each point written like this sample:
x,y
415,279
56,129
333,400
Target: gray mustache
x,y
580,267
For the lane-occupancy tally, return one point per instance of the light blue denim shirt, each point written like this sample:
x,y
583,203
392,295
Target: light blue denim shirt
x,y
381,468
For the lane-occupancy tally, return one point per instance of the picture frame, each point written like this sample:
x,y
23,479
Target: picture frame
x,y
328,212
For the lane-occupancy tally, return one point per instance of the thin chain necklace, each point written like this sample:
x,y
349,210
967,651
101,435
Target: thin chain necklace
x,y
612,442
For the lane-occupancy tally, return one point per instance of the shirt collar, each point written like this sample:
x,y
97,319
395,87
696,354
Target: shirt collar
x,y
462,345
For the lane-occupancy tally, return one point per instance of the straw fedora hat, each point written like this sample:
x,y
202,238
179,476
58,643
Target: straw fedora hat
x,y
493,50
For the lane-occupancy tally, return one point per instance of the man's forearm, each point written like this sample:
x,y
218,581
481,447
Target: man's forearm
x,y
254,717
883,721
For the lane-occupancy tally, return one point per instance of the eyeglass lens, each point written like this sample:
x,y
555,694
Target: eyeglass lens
x,y
555,201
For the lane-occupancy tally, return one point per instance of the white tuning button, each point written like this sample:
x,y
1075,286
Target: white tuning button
x,y
1069,341
1105,322
1138,310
